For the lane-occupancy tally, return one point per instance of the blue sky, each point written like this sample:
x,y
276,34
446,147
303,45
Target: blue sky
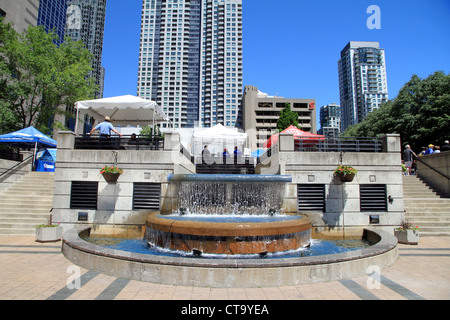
x,y
291,47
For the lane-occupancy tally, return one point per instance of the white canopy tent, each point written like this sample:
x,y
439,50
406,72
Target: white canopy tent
x,y
217,138
124,110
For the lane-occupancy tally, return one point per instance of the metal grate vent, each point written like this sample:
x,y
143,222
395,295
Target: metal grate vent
x,y
146,195
83,195
373,197
311,197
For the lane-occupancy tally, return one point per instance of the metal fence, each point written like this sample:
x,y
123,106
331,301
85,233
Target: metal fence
x,y
350,144
119,143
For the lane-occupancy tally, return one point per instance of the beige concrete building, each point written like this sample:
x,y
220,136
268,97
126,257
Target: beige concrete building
x,y
21,13
260,113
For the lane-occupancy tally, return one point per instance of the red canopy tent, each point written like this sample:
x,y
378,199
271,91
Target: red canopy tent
x,y
308,139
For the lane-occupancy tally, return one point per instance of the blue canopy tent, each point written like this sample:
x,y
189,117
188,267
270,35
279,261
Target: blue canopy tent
x,y
28,138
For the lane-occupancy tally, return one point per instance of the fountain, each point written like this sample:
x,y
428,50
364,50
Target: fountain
x,y
228,214
239,219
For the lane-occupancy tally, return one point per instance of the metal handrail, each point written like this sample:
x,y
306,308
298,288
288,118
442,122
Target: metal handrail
x,y
16,165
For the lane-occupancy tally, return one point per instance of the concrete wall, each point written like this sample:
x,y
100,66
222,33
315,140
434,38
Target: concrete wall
x,y
342,199
115,200
436,178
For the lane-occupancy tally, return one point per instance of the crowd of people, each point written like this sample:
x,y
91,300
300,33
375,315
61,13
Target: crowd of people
x,y
409,162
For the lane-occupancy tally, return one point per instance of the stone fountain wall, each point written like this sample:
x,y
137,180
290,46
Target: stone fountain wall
x,y
342,199
115,200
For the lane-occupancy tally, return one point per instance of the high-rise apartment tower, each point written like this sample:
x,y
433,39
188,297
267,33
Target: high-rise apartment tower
x,y
190,60
330,120
362,81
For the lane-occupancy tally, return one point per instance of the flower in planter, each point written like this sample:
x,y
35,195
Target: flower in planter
x,y
407,226
112,169
345,170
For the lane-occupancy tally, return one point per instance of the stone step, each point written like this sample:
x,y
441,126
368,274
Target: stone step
x,y
26,204
419,194
18,231
433,229
430,223
434,234
26,207
23,215
21,225
429,220
425,208
427,201
414,211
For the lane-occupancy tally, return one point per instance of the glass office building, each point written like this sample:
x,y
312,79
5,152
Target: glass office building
x,y
52,15
190,60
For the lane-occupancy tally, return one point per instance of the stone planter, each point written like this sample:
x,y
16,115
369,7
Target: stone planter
x,y
48,234
345,177
111,177
407,236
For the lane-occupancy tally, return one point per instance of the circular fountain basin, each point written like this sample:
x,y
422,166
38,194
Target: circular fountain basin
x,y
230,272
228,234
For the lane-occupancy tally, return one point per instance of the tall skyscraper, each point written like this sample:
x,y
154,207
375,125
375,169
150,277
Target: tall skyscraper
x,y
190,60
52,15
362,81
86,22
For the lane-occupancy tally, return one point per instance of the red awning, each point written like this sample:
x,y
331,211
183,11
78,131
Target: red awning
x,y
307,138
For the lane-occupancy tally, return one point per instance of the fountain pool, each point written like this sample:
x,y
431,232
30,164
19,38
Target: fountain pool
x,y
229,231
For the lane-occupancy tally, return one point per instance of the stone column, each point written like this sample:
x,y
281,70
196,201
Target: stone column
x,y
286,142
66,140
391,143
171,140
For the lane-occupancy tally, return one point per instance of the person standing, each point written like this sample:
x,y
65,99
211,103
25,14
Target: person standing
x,y
430,149
206,155
408,158
105,128
445,146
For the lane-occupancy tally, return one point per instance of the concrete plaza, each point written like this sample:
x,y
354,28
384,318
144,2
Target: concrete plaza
x,y
39,271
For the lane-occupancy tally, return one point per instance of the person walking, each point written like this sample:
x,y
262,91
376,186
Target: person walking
x,y
408,158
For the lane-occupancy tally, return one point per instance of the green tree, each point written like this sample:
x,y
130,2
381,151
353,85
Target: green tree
x,y
287,118
38,78
420,113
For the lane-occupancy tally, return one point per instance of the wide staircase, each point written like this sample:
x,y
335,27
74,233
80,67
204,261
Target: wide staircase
x,y
26,204
425,208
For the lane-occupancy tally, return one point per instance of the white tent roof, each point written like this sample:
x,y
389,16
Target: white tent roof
x,y
220,132
217,138
125,110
